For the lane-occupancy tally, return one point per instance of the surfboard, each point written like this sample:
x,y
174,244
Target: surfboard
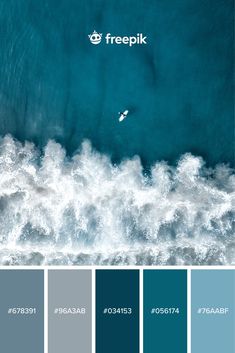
x,y
123,115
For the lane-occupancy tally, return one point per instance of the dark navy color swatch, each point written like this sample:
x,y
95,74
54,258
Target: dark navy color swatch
x,y
117,291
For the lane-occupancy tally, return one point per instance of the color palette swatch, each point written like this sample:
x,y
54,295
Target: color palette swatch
x,y
117,310
213,311
165,311
69,309
21,311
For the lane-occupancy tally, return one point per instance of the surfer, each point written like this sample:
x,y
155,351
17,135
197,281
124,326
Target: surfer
x,y
123,115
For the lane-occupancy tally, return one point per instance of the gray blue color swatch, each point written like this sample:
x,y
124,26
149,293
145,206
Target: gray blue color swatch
x,y
163,177
22,311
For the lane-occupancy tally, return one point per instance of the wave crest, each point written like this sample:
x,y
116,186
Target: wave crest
x,y
87,204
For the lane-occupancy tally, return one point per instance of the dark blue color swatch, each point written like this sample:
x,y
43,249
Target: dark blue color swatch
x,y
117,311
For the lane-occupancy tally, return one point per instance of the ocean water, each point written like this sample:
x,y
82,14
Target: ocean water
x,y
77,186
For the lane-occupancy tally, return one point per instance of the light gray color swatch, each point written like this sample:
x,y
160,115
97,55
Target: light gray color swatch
x,y
69,332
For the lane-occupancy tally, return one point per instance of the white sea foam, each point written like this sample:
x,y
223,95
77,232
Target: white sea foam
x,y
84,209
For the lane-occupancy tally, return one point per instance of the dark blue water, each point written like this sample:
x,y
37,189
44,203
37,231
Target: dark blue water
x,y
178,88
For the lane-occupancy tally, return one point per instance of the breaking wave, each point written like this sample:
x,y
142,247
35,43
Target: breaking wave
x,y
84,209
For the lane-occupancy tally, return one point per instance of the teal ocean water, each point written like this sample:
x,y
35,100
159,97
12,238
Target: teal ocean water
x,y
178,88
57,90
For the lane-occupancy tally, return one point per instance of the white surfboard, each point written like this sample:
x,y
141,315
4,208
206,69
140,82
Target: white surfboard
x,y
123,115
